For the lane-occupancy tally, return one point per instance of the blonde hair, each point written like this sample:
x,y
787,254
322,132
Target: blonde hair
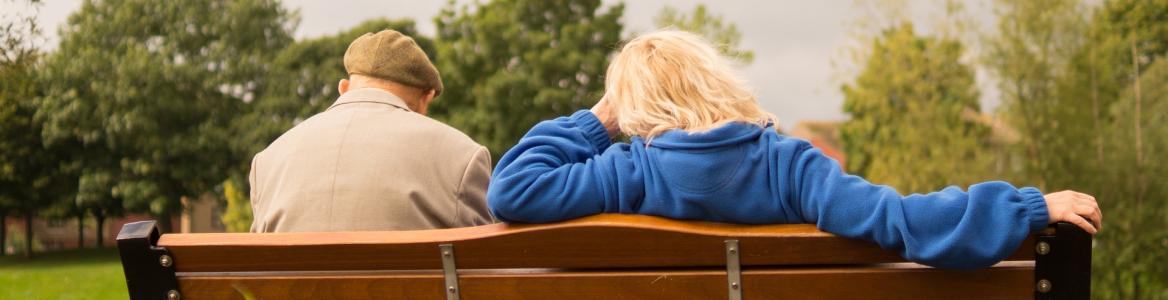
x,y
674,79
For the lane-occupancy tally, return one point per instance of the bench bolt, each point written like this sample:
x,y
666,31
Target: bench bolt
x,y
451,289
173,295
1044,286
1042,248
165,261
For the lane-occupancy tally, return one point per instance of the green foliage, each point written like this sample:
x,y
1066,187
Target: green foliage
x,y
1129,42
724,35
150,88
1068,83
1031,55
94,196
907,128
32,176
237,214
1131,256
21,155
508,64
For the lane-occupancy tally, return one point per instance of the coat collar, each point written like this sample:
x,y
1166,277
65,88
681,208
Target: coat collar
x,y
371,95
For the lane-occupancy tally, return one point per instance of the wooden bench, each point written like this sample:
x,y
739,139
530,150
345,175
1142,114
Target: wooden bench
x,y
600,257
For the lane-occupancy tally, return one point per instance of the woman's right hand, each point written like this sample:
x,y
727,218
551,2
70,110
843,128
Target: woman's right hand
x,y
604,112
1076,208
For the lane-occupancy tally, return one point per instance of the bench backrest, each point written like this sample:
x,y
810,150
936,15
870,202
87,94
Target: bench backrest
x,y
605,256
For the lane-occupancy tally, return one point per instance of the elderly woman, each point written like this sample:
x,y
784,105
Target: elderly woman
x,y
702,149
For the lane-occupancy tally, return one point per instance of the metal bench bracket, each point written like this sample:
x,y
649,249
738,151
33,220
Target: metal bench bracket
x,y
733,270
1062,263
149,269
449,271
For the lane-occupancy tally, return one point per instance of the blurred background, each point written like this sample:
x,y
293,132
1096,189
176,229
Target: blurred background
x,y
116,111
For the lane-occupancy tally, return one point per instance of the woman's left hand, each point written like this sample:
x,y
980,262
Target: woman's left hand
x,y
1074,207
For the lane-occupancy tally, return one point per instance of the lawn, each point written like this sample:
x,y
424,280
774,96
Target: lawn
x,y
75,274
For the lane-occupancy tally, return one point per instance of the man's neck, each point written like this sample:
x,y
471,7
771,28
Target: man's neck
x,y
409,101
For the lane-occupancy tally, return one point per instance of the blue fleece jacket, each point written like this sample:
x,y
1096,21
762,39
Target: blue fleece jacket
x,y
740,173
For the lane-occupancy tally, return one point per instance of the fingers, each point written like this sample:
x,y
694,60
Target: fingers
x,y
1077,208
1082,223
1094,214
1091,213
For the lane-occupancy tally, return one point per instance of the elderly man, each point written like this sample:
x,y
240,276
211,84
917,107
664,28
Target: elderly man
x,y
373,160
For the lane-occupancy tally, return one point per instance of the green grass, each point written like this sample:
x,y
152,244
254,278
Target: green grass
x,y
74,274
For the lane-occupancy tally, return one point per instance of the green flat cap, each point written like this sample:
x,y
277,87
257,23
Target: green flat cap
x,y
392,56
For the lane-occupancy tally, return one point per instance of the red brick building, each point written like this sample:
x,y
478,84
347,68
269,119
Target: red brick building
x,y
59,234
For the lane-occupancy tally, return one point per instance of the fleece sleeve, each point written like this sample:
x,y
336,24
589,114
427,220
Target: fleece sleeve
x,y
950,228
561,170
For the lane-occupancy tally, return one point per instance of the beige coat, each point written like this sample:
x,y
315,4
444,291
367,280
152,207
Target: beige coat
x,y
369,163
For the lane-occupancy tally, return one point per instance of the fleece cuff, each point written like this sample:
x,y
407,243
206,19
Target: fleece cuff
x,y
1035,208
594,131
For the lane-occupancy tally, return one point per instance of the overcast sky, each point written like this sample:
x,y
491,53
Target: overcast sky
x,y
795,42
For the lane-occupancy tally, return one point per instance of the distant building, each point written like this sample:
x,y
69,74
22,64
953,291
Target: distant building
x,y
824,135
1001,133
202,215
61,233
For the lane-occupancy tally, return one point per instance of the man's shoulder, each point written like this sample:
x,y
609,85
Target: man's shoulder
x,y
404,126
437,132
300,130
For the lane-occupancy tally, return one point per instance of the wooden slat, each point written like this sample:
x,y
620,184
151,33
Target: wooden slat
x,y
1006,281
604,241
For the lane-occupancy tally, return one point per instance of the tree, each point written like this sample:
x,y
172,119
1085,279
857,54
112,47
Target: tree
x,y
1130,258
1128,47
1031,54
151,97
1081,88
95,196
907,127
64,208
508,64
30,177
22,161
17,54
724,35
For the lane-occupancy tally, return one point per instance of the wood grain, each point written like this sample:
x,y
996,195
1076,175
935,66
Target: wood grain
x,y
1006,281
603,241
